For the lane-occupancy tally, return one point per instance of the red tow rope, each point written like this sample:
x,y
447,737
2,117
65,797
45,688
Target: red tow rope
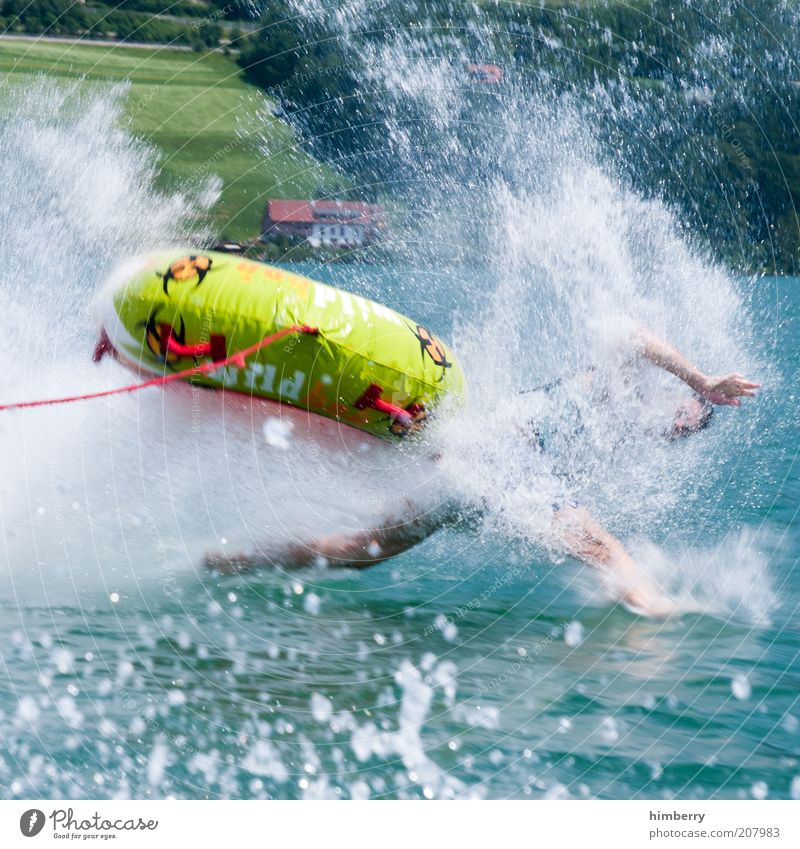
x,y
237,359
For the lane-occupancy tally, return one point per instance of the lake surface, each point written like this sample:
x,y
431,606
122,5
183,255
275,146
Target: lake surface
x,y
469,666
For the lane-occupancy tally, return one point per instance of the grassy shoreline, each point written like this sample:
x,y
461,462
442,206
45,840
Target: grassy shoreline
x,y
199,112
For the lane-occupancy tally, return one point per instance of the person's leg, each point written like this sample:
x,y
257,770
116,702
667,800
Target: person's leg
x,y
587,540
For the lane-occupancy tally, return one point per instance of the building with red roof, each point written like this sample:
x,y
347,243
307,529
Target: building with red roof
x,y
333,223
484,72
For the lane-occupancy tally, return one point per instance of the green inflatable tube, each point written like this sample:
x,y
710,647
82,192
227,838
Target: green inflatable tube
x,y
368,366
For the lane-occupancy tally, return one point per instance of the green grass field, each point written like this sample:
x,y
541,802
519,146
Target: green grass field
x,y
201,115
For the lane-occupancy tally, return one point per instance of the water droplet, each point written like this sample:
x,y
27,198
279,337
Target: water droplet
x,y
176,697
28,710
740,687
62,659
446,626
573,634
156,763
609,730
277,433
321,707
312,604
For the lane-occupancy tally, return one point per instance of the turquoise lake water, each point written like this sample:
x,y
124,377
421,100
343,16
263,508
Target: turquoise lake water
x,y
470,666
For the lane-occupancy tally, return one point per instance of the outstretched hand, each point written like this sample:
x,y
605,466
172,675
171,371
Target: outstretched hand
x,y
728,389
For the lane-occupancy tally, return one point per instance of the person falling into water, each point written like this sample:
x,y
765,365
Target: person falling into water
x,y
576,531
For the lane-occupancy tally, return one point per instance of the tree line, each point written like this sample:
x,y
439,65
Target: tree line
x,y
184,22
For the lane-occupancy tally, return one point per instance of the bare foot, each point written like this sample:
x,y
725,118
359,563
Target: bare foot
x,y
648,602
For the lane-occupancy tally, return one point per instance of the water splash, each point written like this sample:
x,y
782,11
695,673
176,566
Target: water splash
x,y
101,499
78,194
729,579
570,259
520,184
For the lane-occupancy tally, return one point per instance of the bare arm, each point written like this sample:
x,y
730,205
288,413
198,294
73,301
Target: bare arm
x,y
366,548
726,389
357,550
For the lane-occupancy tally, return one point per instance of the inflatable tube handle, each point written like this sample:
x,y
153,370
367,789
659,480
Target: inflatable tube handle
x,y
102,347
215,348
396,412
372,398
